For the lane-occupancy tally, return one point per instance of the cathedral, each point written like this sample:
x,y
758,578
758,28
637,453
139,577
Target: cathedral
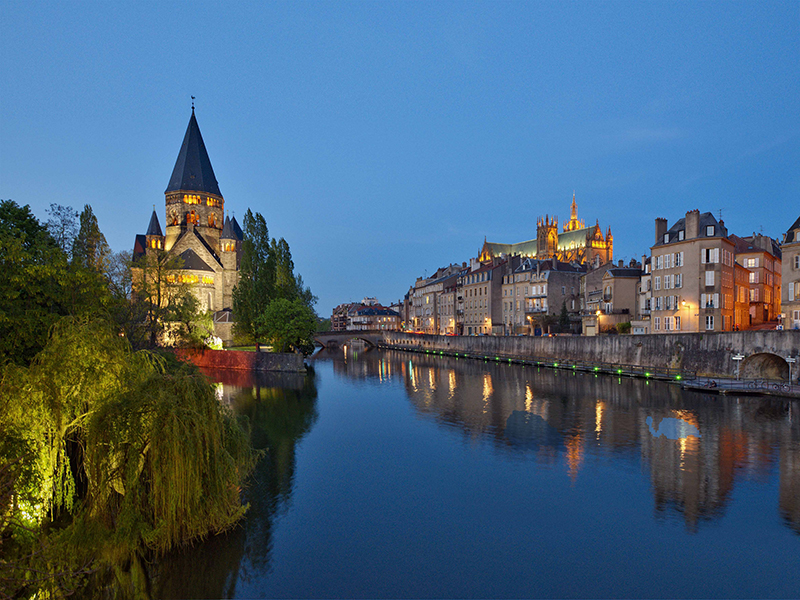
x,y
198,231
575,243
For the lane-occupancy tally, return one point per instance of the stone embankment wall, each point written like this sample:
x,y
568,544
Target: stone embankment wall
x,y
244,361
708,354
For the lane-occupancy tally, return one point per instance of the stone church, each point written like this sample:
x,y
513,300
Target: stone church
x,y
575,243
198,231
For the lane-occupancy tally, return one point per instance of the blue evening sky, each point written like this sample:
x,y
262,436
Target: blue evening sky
x,y
384,140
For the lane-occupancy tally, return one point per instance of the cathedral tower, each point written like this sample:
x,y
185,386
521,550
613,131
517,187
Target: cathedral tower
x,y
193,198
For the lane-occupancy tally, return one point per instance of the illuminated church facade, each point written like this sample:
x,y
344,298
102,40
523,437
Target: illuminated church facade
x,y
574,243
209,244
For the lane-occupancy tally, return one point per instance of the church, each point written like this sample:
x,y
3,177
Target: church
x,y
197,230
575,243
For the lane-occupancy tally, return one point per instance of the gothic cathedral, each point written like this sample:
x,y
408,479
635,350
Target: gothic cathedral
x,y
576,243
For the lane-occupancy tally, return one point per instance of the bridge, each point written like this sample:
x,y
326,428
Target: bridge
x,y
336,339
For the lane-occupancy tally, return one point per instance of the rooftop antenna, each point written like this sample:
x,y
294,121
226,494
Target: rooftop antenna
x,y
720,214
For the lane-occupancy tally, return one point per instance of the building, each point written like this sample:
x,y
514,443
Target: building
x,y
614,300
209,244
339,317
425,298
372,317
692,271
534,294
641,324
575,243
790,272
761,256
481,288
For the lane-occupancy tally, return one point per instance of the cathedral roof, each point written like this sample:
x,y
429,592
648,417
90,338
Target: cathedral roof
x,y
227,230
193,171
155,227
192,262
236,229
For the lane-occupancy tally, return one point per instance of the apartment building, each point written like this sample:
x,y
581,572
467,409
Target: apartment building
x,y
692,271
790,271
446,305
761,256
481,287
640,325
537,288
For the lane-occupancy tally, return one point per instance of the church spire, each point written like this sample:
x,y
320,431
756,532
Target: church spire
x,y
573,211
193,171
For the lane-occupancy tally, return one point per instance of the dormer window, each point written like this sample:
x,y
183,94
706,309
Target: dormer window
x,y
666,238
710,231
680,235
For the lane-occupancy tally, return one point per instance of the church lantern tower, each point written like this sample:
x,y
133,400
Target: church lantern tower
x,y
193,198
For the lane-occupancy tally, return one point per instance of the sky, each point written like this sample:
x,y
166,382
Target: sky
x,y
384,140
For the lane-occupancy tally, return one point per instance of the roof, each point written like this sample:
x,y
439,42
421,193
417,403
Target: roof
x,y
193,171
705,220
154,228
227,230
236,229
791,236
139,246
192,262
376,311
625,272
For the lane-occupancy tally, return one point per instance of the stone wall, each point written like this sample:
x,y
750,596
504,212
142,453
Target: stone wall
x,y
709,354
244,361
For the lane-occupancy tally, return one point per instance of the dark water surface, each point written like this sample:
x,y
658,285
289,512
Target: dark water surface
x,y
399,475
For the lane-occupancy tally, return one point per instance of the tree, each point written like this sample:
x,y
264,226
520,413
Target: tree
x,y
162,302
288,325
38,285
266,274
563,319
62,225
90,249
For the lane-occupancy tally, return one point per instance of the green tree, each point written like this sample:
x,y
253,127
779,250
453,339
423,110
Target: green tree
x,y
623,328
38,285
288,325
266,274
90,249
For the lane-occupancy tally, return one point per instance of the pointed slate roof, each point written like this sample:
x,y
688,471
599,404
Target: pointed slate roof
x,y
236,229
790,236
155,227
227,230
191,261
193,171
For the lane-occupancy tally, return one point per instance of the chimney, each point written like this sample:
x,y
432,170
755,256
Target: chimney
x,y
692,224
661,229
621,263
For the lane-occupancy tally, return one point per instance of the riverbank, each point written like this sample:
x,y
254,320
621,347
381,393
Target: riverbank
x,y
285,362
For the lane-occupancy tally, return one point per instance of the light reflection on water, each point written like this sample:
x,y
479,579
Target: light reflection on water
x,y
430,476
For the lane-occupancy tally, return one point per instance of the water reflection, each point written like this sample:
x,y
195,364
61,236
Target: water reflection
x,y
564,420
280,409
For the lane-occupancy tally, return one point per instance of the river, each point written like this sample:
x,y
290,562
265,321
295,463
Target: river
x,y
390,474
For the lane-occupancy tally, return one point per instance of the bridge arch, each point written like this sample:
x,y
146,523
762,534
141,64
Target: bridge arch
x,y
336,339
765,365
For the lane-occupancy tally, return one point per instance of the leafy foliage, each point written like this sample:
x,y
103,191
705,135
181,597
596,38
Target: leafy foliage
x,y
132,451
288,325
266,276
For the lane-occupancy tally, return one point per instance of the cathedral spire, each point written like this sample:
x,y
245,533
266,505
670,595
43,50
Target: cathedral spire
x,y
573,210
193,171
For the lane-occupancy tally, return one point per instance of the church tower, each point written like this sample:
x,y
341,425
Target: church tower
x,y
193,198
154,237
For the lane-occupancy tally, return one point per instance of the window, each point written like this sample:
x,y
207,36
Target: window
x,y
680,235
667,323
657,285
753,277
709,278
791,291
751,262
677,323
657,324
679,279
666,238
797,262
710,230
709,322
659,261
667,282
563,289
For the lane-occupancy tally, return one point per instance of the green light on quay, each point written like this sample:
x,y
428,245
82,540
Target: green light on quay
x,y
647,374
555,364
678,377
597,368
619,370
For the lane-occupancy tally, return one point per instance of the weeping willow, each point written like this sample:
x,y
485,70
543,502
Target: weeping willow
x,y
109,455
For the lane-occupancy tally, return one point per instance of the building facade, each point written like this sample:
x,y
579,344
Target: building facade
x,y
692,272
790,270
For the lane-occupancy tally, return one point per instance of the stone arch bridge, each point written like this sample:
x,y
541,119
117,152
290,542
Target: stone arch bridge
x,y
336,339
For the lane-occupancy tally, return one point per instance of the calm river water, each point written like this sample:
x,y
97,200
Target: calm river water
x,y
390,474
